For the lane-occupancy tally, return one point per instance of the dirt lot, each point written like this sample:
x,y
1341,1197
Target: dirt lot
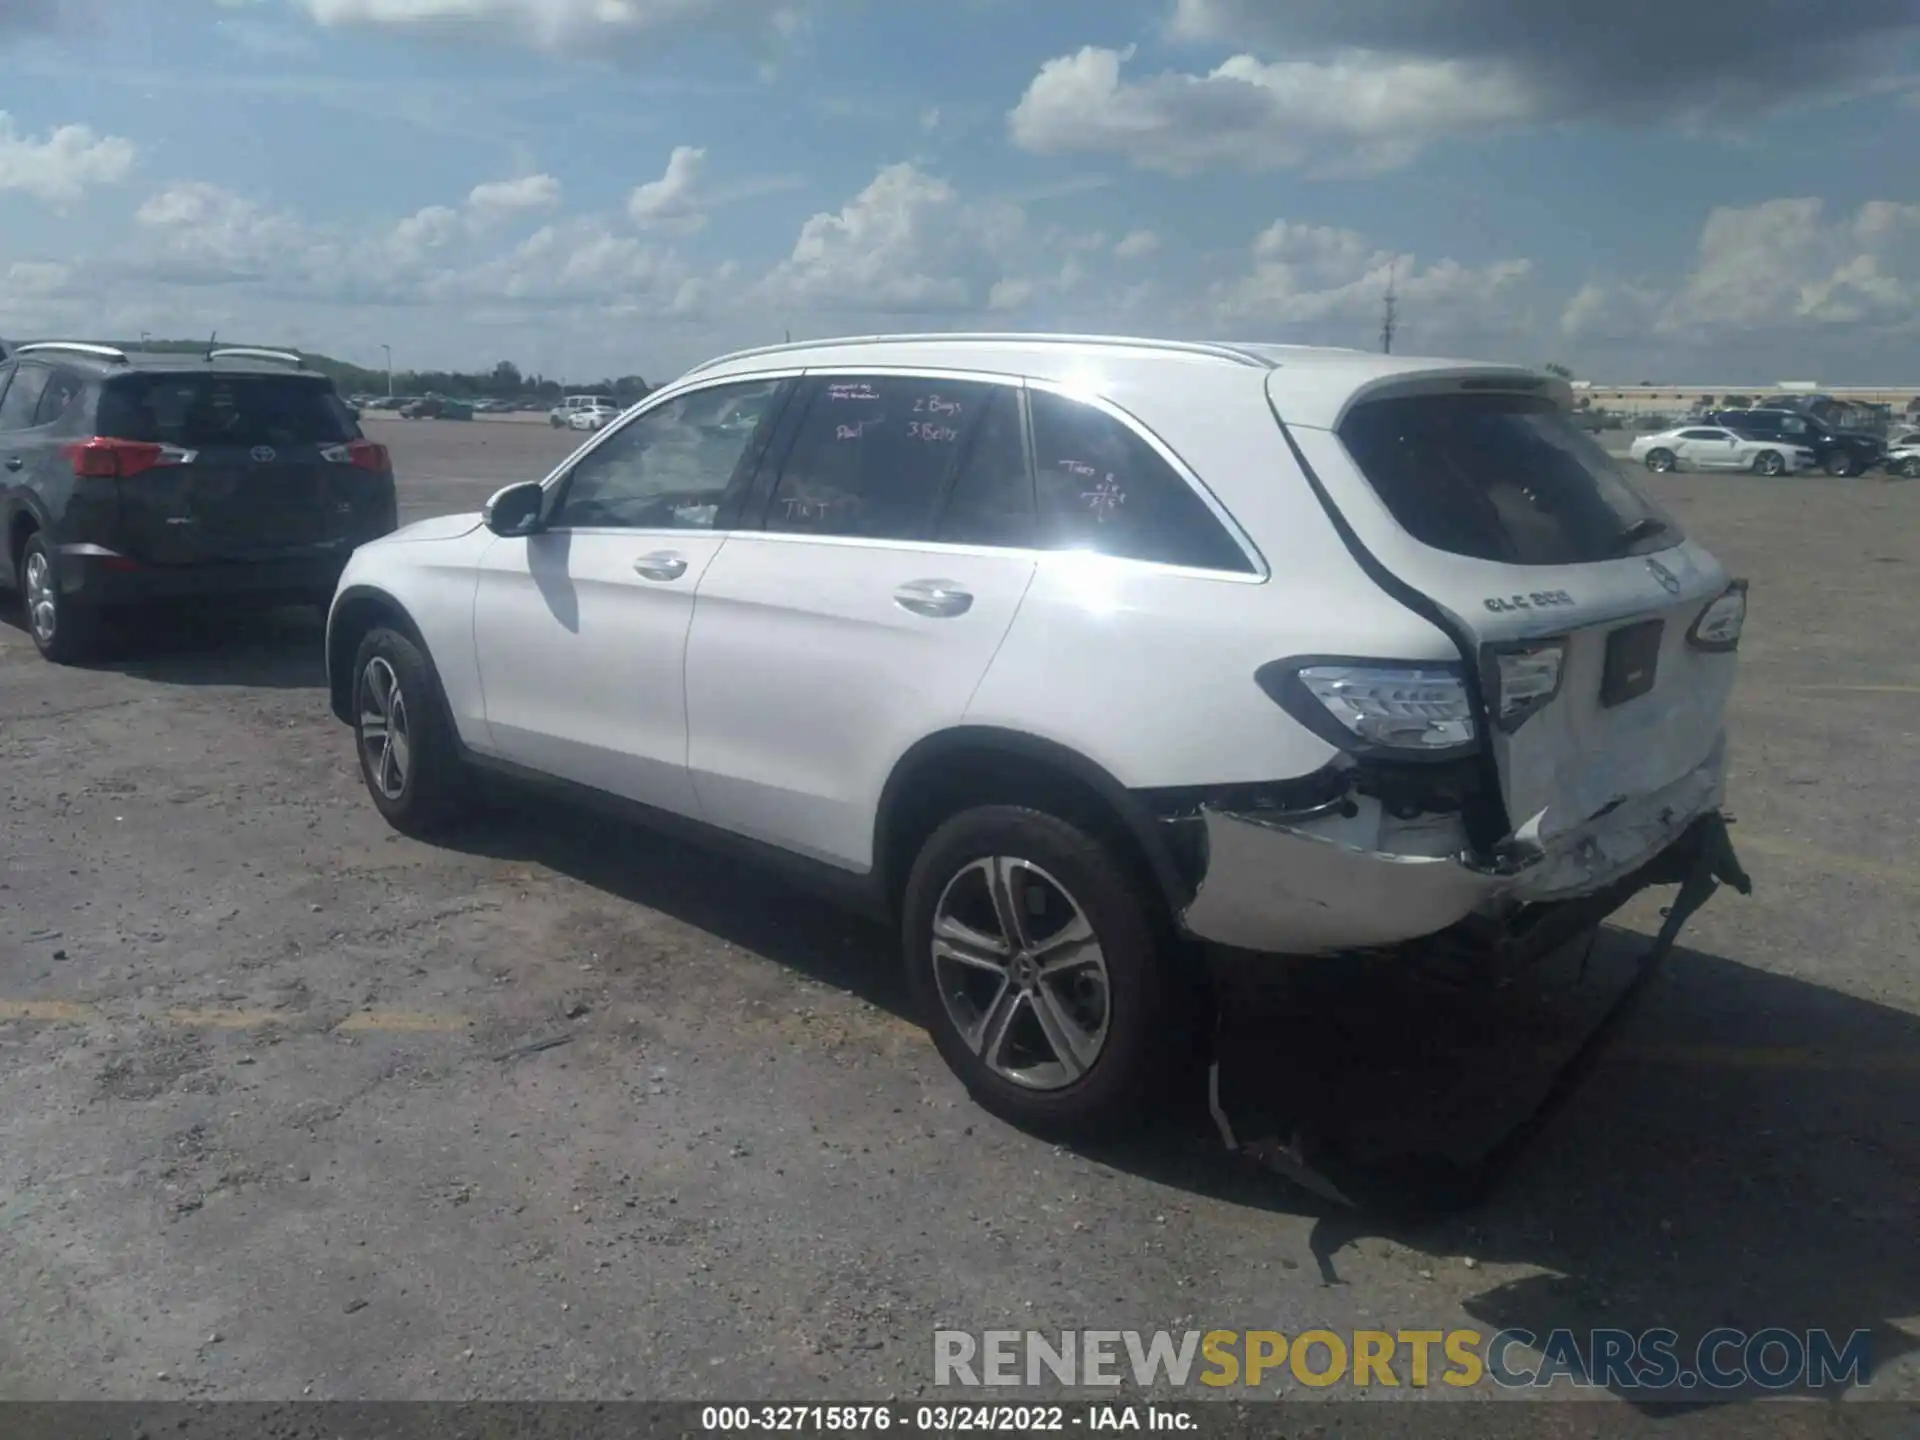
x,y
273,1122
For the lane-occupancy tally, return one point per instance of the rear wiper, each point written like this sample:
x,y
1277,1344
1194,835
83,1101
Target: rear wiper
x,y
1644,528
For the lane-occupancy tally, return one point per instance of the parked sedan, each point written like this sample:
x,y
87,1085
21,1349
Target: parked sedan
x,y
1904,460
1714,447
593,417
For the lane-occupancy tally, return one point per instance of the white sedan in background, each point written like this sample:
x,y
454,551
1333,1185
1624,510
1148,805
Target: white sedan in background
x,y
1710,447
1904,458
593,417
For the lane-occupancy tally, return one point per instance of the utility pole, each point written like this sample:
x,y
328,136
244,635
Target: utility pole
x,y
1389,311
389,350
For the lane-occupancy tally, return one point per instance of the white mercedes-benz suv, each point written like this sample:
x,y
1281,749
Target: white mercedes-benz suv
x,y
1084,660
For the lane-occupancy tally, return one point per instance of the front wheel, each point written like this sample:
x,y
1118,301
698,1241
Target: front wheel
x,y
408,753
1840,465
1909,468
1659,461
1039,971
1768,462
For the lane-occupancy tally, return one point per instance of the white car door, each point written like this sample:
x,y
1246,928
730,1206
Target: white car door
x,y
581,629
894,555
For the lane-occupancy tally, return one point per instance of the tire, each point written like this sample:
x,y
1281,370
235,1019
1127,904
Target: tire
x,y
418,783
1001,1028
553,421
63,630
1910,468
1659,461
1841,465
1768,462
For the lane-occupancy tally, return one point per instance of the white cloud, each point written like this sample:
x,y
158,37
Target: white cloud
x,y
527,193
583,26
907,243
1137,245
1332,283
63,165
1359,109
676,199
196,233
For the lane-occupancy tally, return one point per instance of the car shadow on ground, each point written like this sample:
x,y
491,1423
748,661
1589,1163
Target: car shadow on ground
x,y
1744,1152
281,648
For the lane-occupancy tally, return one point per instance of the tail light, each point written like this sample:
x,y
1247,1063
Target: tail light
x,y
103,458
1720,624
1404,711
363,454
1524,679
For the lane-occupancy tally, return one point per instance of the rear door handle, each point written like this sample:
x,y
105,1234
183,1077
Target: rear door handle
x,y
14,462
935,599
661,565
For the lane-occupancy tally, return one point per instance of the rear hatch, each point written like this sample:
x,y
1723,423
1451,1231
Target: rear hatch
x,y
254,467
1477,492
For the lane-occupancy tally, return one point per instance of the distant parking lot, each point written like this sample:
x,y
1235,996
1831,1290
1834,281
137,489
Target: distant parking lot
x,y
292,1106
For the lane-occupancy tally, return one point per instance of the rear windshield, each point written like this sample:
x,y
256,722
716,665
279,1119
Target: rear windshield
x,y
202,411
1502,477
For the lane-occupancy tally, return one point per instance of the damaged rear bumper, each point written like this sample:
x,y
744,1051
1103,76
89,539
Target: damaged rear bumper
x,y
1345,883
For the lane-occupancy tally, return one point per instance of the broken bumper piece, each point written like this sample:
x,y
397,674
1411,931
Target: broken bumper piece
x,y
1309,888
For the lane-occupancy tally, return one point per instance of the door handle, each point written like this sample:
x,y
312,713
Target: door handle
x,y
935,599
661,565
14,462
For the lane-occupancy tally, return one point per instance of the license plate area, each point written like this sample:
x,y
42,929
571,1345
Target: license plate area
x,y
1633,656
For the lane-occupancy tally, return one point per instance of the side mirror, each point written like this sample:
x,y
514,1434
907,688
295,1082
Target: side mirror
x,y
516,509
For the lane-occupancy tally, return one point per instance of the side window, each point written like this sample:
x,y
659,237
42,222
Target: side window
x,y
17,407
1703,435
991,499
872,456
671,467
63,388
1102,488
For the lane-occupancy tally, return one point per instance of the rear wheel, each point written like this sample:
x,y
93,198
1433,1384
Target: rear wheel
x,y
1659,461
63,630
1039,971
1910,467
1840,465
1768,462
407,748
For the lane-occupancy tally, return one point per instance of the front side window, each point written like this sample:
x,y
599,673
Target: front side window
x,y
991,499
23,397
873,456
670,468
1703,434
1101,487
1498,477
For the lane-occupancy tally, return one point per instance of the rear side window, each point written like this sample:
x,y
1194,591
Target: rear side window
x,y
1501,477
22,397
990,501
63,388
202,411
1101,487
873,456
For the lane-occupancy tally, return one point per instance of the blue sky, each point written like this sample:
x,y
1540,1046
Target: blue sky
x,y
1713,191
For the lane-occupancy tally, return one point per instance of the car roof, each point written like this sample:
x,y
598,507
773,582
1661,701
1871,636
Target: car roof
x,y
1312,385
106,361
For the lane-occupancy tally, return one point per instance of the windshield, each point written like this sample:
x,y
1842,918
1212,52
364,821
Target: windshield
x,y
1502,477
201,411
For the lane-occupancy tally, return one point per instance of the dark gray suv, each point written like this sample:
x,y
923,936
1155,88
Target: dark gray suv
x,y
128,478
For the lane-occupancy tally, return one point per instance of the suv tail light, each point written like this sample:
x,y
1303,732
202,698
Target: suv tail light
x,y
103,458
1720,624
1365,707
362,453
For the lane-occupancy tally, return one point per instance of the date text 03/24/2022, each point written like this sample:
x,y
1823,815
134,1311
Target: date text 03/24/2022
x,y
942,1419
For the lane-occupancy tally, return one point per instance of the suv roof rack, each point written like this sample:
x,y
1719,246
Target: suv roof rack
x,y
74,347
252,352
1235,353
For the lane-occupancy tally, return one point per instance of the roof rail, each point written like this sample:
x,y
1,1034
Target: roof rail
x,y
1234,353
250,352
74,347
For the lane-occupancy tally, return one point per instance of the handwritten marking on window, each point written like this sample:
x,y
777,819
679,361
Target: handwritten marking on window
x,y
852,390
928,431
934,405
1104,498
854,432
1078,468
800,507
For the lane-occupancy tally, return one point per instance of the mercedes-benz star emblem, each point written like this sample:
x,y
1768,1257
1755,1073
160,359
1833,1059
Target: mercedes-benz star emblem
x,y
1666,577
264,453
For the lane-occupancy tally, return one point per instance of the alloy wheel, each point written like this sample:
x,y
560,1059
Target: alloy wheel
x,y
43,600
385,740
1020,973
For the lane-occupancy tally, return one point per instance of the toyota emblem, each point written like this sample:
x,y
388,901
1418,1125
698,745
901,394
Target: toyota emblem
x,y
264,453
1669,580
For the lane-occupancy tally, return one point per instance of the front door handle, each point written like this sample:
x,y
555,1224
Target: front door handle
x,y
935,599
14,462
661,565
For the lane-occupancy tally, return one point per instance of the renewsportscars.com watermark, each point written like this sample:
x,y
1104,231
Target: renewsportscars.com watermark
x,y
1721,1360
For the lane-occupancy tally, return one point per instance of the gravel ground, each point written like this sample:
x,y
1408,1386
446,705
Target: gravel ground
x,y
290,1106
